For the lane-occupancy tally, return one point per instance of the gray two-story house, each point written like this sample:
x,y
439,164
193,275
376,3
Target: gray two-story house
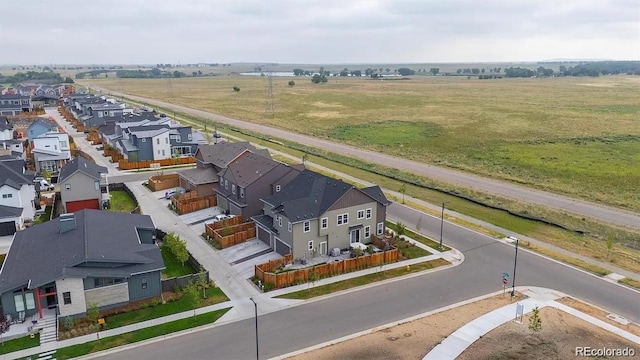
x,y
314,213
248,179
80,185
211,160
89,257
14,104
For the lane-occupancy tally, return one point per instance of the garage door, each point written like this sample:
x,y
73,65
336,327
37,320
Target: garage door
x,y
264,236
73,206
282,248
7,228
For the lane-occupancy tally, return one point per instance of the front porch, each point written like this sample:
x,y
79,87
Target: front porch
x,y
31,325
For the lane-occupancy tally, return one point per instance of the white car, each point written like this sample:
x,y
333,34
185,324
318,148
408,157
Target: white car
x,y
220,217
44,184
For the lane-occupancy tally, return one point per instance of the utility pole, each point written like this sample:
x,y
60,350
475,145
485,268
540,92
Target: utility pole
x,y
441,226
255,306
515,263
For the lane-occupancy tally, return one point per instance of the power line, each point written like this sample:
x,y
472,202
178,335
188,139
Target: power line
x,y
270,106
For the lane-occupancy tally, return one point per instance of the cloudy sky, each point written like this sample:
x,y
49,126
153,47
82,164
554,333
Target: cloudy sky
x,y
315,31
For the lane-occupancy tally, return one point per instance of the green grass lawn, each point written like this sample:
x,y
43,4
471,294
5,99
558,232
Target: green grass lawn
x,y
19,344
214,296
173,267
44,217
417,237
363,280
121,201
139,335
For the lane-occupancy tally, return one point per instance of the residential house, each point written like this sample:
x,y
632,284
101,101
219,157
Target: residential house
x,y
88,257
14,104
211,159
41,126
248,179
17,195
51,151
80,181
42,101
107,125
314,213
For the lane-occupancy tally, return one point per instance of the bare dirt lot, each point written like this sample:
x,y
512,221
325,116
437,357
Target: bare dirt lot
x,y
561,333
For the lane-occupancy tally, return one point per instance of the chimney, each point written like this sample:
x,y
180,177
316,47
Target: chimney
x,y
67,222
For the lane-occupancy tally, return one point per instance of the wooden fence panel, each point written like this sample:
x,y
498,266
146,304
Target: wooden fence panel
x,y
228,222
163,182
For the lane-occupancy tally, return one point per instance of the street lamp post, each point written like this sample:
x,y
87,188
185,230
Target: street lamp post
x,y
255,306
515,263
441,226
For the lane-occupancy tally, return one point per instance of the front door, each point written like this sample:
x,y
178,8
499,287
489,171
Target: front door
x,y
323,248
355,236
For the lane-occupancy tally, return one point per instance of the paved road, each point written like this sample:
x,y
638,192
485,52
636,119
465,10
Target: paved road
x,y
319,321
491,186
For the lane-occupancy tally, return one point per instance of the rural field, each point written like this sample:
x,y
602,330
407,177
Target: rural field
x,y
578,136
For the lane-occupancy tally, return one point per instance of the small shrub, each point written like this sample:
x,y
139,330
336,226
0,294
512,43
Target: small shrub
x,y
268,286
370,249
236,89
73,333
155,302
68,323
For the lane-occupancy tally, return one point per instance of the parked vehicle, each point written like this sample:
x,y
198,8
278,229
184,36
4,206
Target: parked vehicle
x,y
220,217
169,194
44,184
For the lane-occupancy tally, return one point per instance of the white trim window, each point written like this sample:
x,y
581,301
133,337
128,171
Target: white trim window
x,y
310,245
226,184
367,232
280,221
369,211
343,219
233,189
306,226
278,188
289,227
360,214
242,192
324,223
380,228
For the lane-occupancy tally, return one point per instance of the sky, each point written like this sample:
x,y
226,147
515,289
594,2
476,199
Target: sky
x,y
315,31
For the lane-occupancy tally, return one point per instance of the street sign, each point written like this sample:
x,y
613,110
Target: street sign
x,y
504,281
505,275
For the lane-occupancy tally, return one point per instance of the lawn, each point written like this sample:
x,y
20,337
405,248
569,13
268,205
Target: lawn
x,y
121,201
173,267
363,280
418,237
573,135
19,344
139,335
44,217
214,296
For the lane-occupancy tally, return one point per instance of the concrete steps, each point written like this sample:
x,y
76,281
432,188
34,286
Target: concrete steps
x,y
48,332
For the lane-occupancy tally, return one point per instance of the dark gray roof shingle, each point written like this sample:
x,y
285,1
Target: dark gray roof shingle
x,y
222,153
83,165
12,173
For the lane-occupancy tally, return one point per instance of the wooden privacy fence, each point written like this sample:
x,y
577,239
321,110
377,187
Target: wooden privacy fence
x,y
190,202
232,235
94,138
228,222
163,182
124,164
265,272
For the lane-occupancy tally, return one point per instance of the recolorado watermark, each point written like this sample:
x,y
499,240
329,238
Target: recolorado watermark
x,y
604,351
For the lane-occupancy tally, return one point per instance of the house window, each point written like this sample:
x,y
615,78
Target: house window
x,y
360,214
226,184
158,152
63,144
289,226
19,301
67,186
380,228
277,188
368,213
143,282
310,245
343,219
324,223
166,140
189,136
280,221
7,196
66,296
30,301
242,193
97,185
367,232
233,189
163,152
307,226
158,141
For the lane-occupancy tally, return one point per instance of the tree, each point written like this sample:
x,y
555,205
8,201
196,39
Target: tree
x,y
203,281
191,294
610,243
535,322
434,71
236,89
403,189
344,72
356,73
313,278
317,78
401,229
177,247
93,313
68,80
406,71
387,70
292,83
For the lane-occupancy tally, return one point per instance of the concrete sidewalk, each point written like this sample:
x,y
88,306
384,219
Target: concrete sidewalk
x,y
456,343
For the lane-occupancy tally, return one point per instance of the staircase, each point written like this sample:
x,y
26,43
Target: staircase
x,y
46,356
48,332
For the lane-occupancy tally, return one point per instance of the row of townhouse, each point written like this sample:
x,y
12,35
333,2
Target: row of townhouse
x,y
297,211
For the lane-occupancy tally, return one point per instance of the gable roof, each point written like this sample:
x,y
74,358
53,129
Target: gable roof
x,y
375,192
5,126
41,254
223,153
9,211
46,123
12,174
80,164
308,196
249,167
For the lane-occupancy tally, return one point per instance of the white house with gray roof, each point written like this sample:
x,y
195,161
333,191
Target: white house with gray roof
x,y
17,196
51,151
89,257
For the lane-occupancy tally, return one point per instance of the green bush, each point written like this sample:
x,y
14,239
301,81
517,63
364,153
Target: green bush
x,y
68,323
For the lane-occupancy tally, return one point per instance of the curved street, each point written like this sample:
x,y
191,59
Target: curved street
x,y
490,186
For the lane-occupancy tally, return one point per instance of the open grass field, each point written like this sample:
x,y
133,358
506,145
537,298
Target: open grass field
x,y
578,136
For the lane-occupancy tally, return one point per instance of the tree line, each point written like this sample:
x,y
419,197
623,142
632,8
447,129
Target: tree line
x,y
47,76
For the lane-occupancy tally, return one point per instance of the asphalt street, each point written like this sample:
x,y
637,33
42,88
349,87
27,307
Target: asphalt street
x,y
491,186
322,320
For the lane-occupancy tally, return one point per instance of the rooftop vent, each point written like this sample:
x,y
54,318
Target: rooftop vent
x,y
67,222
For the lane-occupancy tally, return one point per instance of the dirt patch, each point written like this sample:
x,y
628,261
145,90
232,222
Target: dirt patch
x,y
560,335
326,105
323,114
599,314
411,340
